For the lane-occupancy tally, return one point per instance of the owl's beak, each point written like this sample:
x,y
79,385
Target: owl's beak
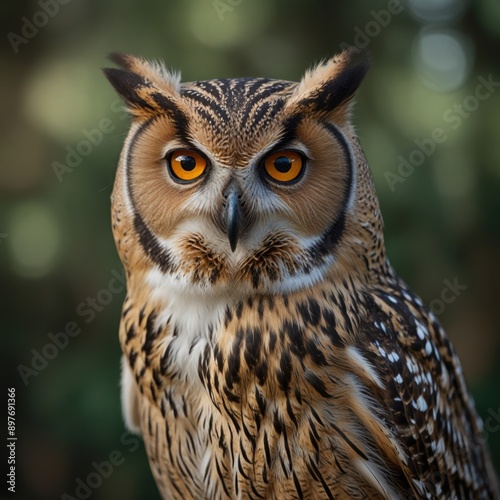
x,y
233,217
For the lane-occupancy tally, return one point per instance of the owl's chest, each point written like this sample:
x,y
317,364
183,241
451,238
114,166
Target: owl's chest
x,y
234,401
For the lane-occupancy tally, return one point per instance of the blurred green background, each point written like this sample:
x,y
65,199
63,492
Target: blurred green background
x,y
57,255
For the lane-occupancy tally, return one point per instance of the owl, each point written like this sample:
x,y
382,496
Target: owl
x,y
269,348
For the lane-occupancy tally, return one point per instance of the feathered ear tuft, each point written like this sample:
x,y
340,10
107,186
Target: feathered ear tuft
x,y
144,85
328,89
153,71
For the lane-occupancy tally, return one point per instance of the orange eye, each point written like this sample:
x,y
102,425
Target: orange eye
x,y
285,166
186,165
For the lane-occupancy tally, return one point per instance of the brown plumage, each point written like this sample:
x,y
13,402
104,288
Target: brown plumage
x,y
270,350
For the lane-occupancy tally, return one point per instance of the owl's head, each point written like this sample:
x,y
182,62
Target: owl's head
x,y
243,185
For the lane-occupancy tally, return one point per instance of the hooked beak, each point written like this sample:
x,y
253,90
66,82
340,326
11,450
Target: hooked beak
x,y
233,217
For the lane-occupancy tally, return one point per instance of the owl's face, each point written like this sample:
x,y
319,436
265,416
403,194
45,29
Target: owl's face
x,y
238,184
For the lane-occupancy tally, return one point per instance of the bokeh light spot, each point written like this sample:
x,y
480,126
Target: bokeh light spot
x,y
34,239
442,58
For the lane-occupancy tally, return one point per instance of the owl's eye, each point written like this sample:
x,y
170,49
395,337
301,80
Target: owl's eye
x,y
285,166
186,165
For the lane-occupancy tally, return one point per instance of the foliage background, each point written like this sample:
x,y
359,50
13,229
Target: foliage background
x,y
56,248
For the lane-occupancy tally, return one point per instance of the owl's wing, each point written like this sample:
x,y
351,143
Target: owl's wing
x,y
426,398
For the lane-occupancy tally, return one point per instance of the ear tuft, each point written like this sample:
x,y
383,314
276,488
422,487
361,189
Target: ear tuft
x,y
154,71
121,59
128,86
329,87
145,86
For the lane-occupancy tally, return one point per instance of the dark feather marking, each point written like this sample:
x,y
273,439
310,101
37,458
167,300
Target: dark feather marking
x,y
184,468
316,416
314,311
150,427
233,363
209,103
130,333
330,330
272,341
231,396
261,372
242,472
312,473
142,313
244,454
255,491
248,434
128,309
261,401
328,242
176,488
259,114
338,464
228,317
185,408
221,477
290,412
264,475
287,449
314,441
165,359
222,443
317,384
239,309
296,336
212,89
260,308
298,395
207,117
173,406
179,118
321,479
231,416
316,353
277,422
219,357
126,83
349,442
253,341
284,374
267,451
289,132
151,333
283,466
297,486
